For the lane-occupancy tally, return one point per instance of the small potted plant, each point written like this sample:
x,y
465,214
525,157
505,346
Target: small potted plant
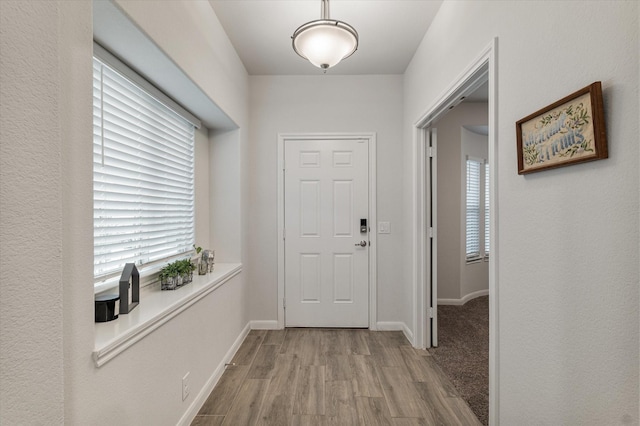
x,y
176,274
186,268
169,277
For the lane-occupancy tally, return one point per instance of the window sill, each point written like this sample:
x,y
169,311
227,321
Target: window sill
x,y
155,309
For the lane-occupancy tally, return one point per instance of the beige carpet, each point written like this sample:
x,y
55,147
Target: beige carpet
x,y
463,351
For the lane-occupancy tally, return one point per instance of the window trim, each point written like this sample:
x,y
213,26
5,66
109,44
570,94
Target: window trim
x,y
487,210
473,256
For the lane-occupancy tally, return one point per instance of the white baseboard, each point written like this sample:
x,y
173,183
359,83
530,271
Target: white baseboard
x,y
204,393
408,333
264,325
465,299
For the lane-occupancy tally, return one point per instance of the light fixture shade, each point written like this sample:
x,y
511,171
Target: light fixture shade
x,y
325,42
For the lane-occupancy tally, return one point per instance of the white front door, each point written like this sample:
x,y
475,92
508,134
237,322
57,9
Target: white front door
x,y
326,254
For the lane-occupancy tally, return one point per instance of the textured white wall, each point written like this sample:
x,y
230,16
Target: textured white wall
x,y
46,323
568,259
31,215
450,195
327,104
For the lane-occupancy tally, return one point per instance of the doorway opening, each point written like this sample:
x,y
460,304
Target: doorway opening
x,y
460,344
481,71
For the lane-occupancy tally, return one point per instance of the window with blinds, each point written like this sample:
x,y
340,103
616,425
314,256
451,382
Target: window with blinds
x,y
477,210
486,210
143,176
473,210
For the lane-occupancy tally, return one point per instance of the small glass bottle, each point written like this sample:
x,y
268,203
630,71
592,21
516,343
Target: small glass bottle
x,y
203,266
211,259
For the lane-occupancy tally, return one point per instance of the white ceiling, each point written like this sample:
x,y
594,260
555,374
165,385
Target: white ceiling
x,y
390,32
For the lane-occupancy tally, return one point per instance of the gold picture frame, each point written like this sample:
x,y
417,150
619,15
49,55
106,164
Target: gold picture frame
x,y
569,131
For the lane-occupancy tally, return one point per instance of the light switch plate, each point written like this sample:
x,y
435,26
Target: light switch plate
x,y
384,228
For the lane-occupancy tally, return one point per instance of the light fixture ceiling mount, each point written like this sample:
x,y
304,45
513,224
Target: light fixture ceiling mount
x,y
325,42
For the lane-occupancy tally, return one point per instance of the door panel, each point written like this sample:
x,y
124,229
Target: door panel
x,y
310,277
326,270
343,278
343,208
309,208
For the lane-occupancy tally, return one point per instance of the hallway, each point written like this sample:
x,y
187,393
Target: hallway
x,y
332,377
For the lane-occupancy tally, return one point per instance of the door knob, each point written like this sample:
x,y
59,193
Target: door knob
x,y
361,243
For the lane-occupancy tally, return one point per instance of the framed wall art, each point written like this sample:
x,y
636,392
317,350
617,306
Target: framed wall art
x,y
569,131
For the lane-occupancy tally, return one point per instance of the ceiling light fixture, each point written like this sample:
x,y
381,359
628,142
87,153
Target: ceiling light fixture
x,y
325,42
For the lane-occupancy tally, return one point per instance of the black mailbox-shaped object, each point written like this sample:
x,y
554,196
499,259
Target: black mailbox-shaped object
x,y
129,288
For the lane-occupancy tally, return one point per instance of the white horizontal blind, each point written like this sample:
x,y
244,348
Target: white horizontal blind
x,y
143,182
486,210
473,210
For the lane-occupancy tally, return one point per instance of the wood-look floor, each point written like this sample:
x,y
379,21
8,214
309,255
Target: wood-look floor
x,y
332,377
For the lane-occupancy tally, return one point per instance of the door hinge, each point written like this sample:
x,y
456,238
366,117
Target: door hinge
x,y
429,312
284,234
430,232
284,303
430,152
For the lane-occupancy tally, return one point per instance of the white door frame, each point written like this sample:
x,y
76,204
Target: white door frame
x,y
370,139
482,69
430,136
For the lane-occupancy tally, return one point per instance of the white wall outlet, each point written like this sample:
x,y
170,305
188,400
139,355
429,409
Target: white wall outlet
x,y
185,386
384,228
